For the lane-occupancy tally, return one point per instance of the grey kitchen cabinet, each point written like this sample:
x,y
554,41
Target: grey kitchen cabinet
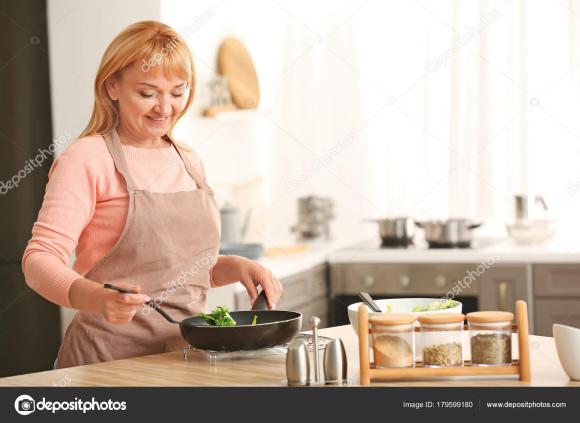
x,y
557,296
501,286
305,292
550,311
400,279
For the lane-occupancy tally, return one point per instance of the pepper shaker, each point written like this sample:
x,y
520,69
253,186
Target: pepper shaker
x,y
334,362
297,364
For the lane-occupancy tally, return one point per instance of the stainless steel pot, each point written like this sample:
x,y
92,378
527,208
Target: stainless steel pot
x,y
397,231
450,233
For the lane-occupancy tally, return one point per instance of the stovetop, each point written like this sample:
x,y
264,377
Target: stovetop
x,y
422,245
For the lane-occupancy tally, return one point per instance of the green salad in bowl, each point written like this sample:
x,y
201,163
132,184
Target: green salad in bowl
x,y
436,305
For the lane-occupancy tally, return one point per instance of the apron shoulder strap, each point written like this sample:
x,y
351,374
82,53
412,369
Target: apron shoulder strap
x,y
190,169
114,145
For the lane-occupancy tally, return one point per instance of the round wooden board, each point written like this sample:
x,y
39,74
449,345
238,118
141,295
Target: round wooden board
x,y
235,63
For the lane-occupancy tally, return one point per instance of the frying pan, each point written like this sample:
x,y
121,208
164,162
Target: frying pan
x,y
274,327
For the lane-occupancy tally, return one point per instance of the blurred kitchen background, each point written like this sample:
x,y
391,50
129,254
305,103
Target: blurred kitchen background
x,y
401,111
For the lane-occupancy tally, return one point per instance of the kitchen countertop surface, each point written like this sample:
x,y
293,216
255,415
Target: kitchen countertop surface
x,y
170,369
504,250
316,253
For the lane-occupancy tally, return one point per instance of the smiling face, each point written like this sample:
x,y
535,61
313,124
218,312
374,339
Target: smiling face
x,y
149,102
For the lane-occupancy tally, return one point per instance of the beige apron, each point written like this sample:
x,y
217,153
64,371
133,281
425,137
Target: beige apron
x,y
168,246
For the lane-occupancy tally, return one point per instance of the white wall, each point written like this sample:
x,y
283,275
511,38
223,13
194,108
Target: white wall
x,y
78,33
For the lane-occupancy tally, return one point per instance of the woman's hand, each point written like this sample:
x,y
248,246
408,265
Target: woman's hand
x,y
114,306
253,274
119,308
230,269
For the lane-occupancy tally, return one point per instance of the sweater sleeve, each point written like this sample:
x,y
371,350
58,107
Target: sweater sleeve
x,y
68,206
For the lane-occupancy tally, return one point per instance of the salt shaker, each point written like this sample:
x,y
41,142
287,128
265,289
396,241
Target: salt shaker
x,y
297,364
334,362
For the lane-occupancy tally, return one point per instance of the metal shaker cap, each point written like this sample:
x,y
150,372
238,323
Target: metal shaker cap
x,y
297,364
334,362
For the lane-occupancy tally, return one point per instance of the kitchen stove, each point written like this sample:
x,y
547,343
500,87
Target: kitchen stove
x,y
214,357
421,244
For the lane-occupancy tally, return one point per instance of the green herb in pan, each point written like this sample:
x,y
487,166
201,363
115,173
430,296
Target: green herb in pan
x,y
255,319
219,317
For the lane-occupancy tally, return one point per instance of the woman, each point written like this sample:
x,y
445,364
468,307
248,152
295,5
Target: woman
x,y
137,207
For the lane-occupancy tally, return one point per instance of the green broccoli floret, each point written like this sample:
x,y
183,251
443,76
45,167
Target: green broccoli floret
x,y
219,317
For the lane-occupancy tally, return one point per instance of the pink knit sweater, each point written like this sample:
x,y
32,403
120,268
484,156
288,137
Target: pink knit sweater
x,y
85,207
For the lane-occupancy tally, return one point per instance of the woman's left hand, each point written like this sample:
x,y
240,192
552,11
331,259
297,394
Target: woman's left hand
x,y
252,274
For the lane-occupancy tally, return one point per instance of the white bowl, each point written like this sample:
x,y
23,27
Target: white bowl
x,y
401,305
532,231
568,346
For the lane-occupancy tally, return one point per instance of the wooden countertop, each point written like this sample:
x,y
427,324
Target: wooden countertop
x,y
170,369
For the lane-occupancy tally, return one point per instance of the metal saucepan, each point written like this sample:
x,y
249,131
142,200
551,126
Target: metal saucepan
x,y
274,327
450,233
395,232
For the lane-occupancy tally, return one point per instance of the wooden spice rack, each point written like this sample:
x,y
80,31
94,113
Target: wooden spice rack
x,y
521,367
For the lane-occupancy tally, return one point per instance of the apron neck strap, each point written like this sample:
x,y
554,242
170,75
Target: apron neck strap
x,y
190,169
114,146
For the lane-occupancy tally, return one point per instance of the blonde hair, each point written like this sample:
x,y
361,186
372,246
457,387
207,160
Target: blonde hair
x,y
153,44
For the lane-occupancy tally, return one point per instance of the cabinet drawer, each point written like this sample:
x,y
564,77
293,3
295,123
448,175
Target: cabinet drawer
x,y
501,286
296,291
317,284
557,280
398,279
549,311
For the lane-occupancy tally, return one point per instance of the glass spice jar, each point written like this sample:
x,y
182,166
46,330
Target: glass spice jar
x,y
442,339
490,335
393,340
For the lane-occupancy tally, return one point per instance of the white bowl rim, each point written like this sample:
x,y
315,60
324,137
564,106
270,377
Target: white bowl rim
x,y
565,327
354,306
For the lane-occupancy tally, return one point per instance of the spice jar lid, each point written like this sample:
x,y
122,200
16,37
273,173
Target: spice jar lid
x,y
392,319
442,318
490,316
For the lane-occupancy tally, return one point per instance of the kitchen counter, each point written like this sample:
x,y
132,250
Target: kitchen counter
x,y
503,251
316,253
170,369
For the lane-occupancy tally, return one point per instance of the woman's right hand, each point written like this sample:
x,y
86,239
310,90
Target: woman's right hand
x,y
118,307
115,307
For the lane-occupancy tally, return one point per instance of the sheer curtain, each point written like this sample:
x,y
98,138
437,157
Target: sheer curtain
x,y
492,111
430,108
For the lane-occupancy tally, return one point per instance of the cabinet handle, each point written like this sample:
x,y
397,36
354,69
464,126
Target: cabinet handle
x,y
405,281
502,295
440,281
369,281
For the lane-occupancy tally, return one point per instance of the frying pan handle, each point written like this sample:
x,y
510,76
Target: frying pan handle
x,y
151,303
261,302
